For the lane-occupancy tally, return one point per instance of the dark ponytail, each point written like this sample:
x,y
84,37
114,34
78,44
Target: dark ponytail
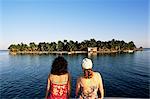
x,y
88,73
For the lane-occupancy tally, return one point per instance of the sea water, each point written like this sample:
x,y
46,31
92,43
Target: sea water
x,y
124,75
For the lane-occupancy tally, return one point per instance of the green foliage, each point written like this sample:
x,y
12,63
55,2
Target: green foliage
x,y
60,46
33,46
73,46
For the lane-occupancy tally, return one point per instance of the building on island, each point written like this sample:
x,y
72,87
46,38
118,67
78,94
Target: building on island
x,y
92,50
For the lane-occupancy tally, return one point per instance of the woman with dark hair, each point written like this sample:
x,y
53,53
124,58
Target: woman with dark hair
x,y
58,86
90,83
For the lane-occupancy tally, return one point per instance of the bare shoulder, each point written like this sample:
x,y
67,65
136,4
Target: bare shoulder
x,y
69,75
50,75
79,79
98,75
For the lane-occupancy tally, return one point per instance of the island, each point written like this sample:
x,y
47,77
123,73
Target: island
x,y
74,47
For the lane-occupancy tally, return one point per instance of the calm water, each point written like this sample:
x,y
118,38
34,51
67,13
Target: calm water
x,y
124,75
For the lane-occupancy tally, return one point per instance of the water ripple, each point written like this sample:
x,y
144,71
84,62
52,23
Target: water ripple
x,y
124,75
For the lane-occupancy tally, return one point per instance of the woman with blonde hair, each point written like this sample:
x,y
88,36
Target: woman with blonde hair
x,y
58,86
90,83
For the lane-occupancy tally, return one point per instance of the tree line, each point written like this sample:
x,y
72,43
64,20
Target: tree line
x,y
74,45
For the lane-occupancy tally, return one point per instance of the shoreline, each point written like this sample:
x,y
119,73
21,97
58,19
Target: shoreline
x,y
73,52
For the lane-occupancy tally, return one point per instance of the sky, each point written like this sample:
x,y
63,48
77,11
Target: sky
x,y
52,20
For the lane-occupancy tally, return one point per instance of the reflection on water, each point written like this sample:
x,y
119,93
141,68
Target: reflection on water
x,y
124,75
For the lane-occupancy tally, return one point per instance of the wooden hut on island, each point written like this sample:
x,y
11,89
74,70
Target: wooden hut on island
x,y
92,50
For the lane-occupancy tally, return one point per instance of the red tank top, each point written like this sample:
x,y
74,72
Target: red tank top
x,y
58,91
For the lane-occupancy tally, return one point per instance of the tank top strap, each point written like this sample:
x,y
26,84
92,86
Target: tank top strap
x,y
59,90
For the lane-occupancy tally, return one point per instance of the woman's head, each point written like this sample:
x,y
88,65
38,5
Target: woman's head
x,y
59,66
87,68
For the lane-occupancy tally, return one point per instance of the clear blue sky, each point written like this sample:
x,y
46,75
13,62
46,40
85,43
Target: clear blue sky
x,y
52,20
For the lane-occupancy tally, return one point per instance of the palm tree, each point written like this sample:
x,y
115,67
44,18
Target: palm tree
x,y
92,43
131,45
72,46
52,46
41,46
60,46
33,46
23,47
12,48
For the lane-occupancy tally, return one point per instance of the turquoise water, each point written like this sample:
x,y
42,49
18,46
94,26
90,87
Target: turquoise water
x,y
124,75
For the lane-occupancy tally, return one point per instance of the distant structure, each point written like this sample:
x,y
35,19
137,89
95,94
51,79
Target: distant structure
x,y
92,50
